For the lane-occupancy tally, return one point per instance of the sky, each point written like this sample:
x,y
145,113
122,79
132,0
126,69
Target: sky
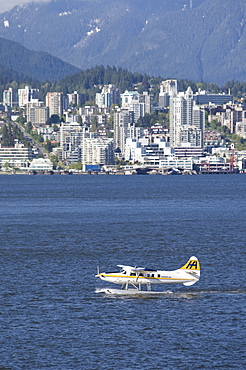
x,y
9,4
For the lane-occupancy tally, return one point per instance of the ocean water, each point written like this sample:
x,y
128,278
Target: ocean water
x,y
56,230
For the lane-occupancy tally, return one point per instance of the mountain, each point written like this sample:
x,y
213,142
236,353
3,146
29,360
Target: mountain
x,y
19,63
8,75
184,39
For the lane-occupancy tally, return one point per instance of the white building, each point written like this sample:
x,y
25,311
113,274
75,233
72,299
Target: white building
x,y
97,151
187,121
147,152
241,129
48,133
174,162
129,97
168,89
27,95
17,157
71,138
41,164
123,121
109,95
10,97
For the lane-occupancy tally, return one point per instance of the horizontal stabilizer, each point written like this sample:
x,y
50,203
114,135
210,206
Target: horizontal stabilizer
x,y
189,283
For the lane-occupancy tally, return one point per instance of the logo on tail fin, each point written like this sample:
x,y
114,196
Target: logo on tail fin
x,y
192,264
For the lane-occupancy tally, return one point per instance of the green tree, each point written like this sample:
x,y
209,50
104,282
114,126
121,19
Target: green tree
x,y
94,124
28,127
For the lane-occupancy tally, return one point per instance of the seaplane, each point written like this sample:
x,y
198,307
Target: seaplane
x,y
132,278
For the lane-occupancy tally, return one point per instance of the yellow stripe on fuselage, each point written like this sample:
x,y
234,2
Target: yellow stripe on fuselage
x,y
142,277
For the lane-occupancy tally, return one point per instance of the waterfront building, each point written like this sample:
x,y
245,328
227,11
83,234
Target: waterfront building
x,y
174,162
15,157
214,164
97,151
145,151
134,151
41,164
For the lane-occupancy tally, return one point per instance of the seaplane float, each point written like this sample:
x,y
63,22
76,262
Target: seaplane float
x,y
132,278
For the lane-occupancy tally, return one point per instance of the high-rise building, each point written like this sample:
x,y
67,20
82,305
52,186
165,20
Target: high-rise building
x,y
123,121
109,95
148,102
168,89
71,139
187,121
10,97
76,98
129,97
37,114
98,151
54,100
27,95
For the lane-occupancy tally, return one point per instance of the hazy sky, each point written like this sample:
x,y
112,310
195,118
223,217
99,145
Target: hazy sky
x,y
6,5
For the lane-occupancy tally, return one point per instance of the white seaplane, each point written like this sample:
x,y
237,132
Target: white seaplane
x,y
132,278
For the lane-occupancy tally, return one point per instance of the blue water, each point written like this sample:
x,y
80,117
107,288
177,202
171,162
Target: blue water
x,y
56,230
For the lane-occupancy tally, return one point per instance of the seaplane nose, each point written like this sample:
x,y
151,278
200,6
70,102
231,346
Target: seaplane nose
x,y
99,275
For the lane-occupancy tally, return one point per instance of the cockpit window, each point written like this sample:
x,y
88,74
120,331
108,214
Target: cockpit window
x,y
132,274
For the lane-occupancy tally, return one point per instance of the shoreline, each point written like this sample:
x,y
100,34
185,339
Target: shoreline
x,y
121,173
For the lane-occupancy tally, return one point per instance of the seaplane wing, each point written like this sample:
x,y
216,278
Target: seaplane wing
x,y
188,275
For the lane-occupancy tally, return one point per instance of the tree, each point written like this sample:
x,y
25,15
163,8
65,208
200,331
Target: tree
x,y
28,127
76,166
21,120
94,124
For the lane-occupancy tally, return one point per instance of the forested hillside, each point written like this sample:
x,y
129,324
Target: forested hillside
x,y
17,61
90,81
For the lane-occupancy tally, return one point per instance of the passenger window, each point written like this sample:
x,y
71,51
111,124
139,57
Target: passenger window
x,y
153,275
158,275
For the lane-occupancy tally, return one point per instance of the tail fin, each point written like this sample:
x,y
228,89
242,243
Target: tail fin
x,y
193,268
